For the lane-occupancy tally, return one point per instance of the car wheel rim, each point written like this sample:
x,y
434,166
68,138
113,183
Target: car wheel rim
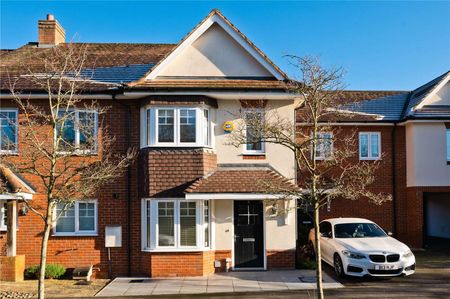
x,y
337,266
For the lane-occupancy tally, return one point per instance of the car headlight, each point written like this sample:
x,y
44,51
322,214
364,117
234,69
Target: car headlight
x,y
407,254
354,255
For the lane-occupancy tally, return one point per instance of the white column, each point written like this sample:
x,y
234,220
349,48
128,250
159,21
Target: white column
x,y
11,228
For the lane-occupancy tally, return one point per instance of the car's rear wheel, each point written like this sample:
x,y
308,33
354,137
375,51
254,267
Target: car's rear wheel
x,y
338,266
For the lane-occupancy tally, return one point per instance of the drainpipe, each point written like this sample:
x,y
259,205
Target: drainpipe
x,y
394,180
129,213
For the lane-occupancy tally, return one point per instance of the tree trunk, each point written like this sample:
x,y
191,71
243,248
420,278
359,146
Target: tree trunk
x,y
43,262
318,253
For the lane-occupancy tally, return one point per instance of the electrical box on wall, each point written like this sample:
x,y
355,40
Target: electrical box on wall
x,y
113,236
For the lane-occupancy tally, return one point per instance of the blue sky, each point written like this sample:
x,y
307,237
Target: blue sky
x,y
382,45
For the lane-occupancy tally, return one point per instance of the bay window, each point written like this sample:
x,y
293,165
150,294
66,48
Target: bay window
x,y
175,225
79,218
176,126
8,130
369,146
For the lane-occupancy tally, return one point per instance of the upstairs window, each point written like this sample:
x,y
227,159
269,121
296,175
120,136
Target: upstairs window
x,y
78,130
369,145
254,121
8,131
177,126
324,145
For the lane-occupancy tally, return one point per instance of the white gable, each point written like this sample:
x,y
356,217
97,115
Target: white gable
x,y
441,97
215,48
214,54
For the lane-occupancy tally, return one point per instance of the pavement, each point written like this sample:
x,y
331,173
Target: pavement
x,y
220,283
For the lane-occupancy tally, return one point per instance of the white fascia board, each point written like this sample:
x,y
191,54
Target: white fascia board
x,y
17,196
432,93
220,95
237,196
45,96
349,124
198,32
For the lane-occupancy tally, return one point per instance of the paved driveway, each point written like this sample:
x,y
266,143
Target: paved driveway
x,y
232,282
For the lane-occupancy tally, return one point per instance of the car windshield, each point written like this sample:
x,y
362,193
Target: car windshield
x,y
358,230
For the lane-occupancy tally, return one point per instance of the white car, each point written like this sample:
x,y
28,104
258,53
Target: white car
x,y
359,247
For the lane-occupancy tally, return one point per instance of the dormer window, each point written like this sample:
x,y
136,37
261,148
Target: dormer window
x,y
177,126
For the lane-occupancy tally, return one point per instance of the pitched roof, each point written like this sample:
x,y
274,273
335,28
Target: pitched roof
x,y
242,180
12,183
221,17
104,63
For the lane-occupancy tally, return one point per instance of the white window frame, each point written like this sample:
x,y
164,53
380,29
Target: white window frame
x,y
149,127
77,231
447,142
16,150
152,244
369,145
246,151
77,131
3,225
319,145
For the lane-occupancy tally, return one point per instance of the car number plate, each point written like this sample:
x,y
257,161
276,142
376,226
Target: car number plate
x,y
385,267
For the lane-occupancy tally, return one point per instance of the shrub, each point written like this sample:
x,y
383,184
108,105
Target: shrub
x,y
51,271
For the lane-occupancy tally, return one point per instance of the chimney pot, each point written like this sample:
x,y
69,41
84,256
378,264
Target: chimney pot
x,y
50,17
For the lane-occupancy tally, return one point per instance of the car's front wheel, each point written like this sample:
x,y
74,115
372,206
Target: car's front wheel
x,y
338,266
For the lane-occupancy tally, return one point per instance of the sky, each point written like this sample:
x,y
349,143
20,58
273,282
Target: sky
x,y
384,45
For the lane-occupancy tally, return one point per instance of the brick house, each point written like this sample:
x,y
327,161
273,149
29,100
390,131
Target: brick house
x,y
192,204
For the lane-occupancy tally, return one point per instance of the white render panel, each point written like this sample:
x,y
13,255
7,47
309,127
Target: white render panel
x,y
222,217
279,157
215,53
280,228
442,97
426,158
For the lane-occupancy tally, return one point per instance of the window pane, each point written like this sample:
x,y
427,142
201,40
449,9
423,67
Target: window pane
x,y
148,224
363,146
206,221
165,125
374,144
448,145
188,236
8,128
253,131
324,145
148,125
86,213
67,131
166,236
205,127
87,128
66,222
187,125
3,214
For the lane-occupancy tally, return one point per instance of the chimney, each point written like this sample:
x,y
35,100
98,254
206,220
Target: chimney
x,y
50,32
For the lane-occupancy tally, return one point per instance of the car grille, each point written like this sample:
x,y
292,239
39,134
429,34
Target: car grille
x,y
393,258
377,258
385,272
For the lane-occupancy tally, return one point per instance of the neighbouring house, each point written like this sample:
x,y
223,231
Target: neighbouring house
x,y
192,204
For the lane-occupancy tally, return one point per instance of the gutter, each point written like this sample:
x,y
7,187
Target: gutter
x,y
129,212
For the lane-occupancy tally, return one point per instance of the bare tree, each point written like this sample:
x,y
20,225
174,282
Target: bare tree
x,y
64,143
325,156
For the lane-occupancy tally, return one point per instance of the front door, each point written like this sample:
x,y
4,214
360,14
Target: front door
x,y
248,234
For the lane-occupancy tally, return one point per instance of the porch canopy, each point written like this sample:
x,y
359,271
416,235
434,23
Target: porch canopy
x,y
259,181
13,189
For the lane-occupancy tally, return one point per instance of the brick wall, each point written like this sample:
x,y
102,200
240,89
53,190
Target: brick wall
x,y
280,259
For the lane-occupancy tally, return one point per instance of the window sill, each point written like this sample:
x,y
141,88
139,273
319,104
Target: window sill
x,y
177,146
369,159
176,249
254,156
75,235
9,153
253,153
78,154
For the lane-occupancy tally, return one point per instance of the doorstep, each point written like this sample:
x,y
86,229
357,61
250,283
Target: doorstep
x,y
231,282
